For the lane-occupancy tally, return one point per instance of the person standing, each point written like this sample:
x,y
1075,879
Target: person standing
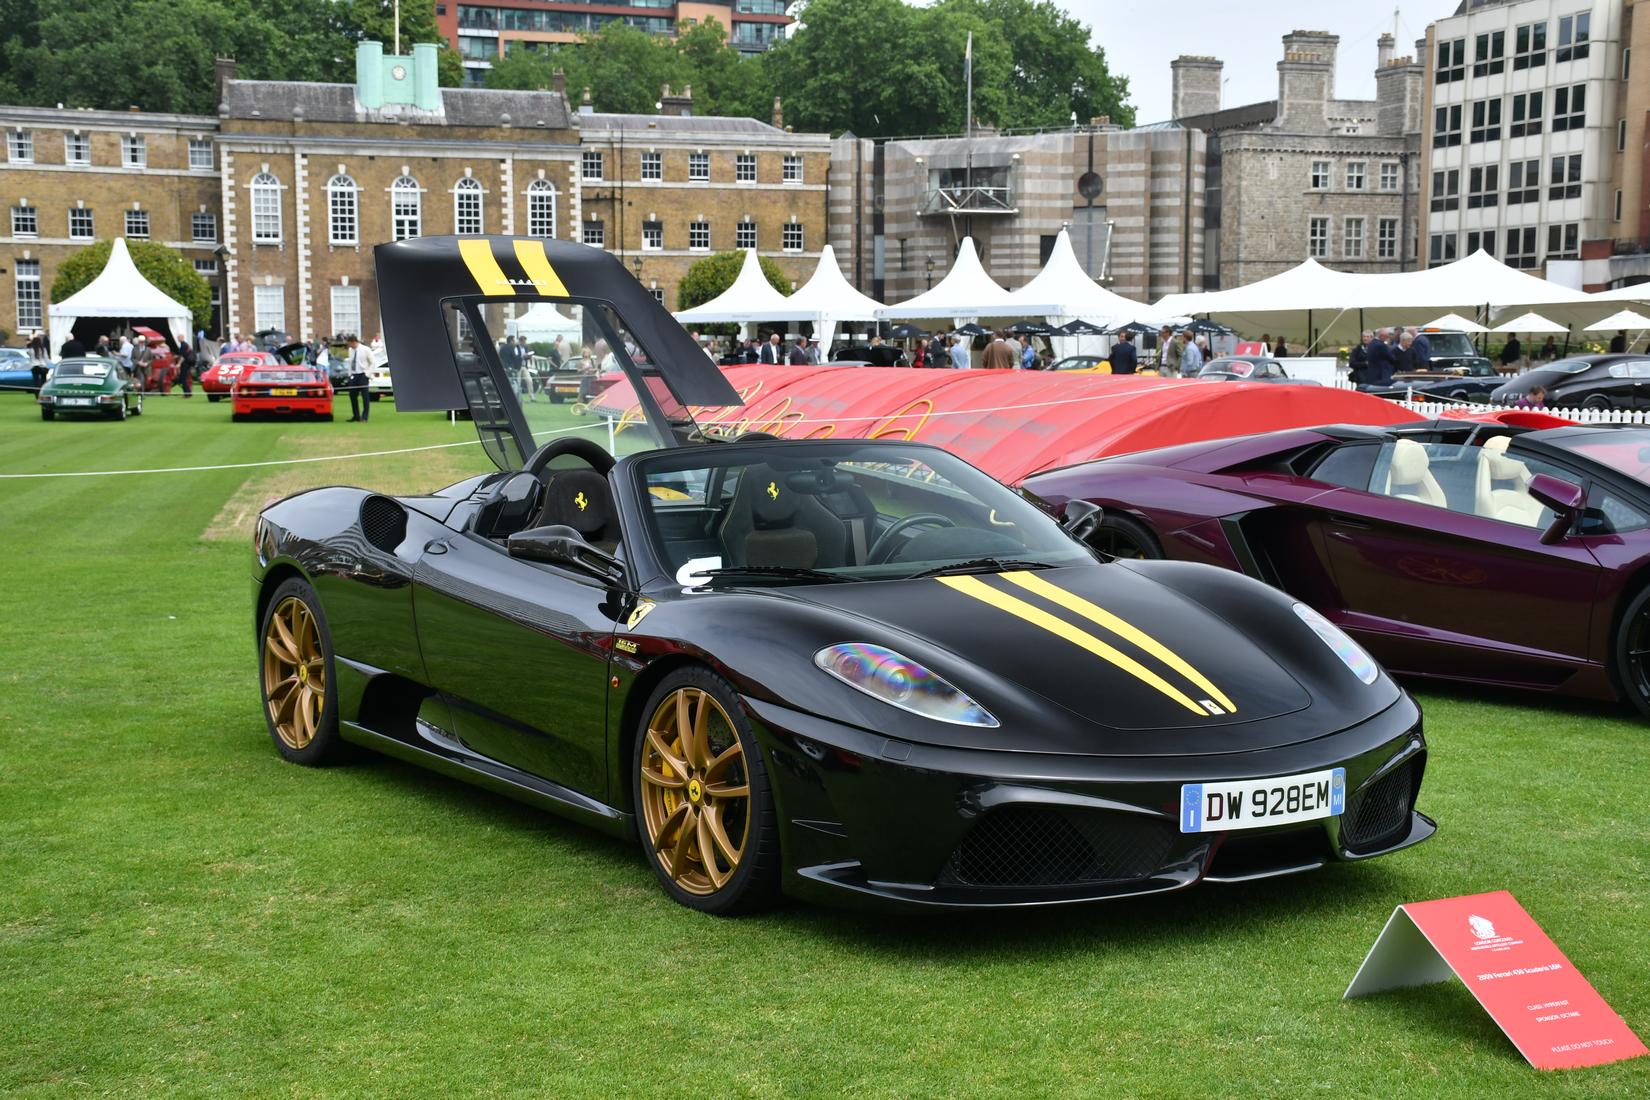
x,y
1549,350
1280,350
1618,342
937,355
1191,358
186,369
773,352
125,349
558,354
960,358
1378,372
1028,354
1403,359
1512,351
1358,361
998,355
1169,352
141,358
799,351
1124,359
1420,350
355,368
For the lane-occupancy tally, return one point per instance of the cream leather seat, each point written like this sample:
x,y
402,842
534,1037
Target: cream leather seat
x,y
1503,486
1409,475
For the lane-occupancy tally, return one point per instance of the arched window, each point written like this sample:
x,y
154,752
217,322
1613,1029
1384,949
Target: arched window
x,y
467,206
541,208
343,217
266,209
406,208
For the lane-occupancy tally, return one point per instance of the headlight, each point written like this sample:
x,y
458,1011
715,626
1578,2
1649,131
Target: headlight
x,y
1352,654
899,681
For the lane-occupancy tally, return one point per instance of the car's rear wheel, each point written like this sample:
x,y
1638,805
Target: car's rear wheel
x,y
703,806
137,410
240,418
119,411
1122,537
214,397
47,412
1597,401
296,675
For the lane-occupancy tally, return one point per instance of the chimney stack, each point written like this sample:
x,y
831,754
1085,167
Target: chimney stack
x,y
778,114
1194,86
1306,81
1384,48
223,71
558,82
680,104
586,107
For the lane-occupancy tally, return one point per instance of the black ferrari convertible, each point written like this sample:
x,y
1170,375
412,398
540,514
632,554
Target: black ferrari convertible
x,y
841,668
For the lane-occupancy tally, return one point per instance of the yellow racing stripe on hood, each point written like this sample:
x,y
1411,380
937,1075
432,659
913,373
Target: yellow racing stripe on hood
x,y
530,255
477,254
1072,602
1036,616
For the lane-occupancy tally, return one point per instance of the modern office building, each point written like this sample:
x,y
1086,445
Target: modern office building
x,y
483,31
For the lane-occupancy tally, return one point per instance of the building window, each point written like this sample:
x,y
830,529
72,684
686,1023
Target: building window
x,y
343,216
1563,241
134,152
25,221
1626,62
1617,215
1564,180
200,154
1389,176
1446,126
269,308
653,166
793,168
1386,239
1530,46
1569,107
1484,187
206,269
541,209
1481,239
20,147
590,165
1441,248
1523,182
1486,120
593,233
699,236
203,228
27,274
266,209
1452,61
80,224
137,224
653,236
1526,115
699,166
1317,238
744,235
1352,239
792,241
467,207
1487,53
1446,190
1357,173
658,294
1621,135
77,149
1520,247
744,167
406,209
1573,34
346,311
1320,175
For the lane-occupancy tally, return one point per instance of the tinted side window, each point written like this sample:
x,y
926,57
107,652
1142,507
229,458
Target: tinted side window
x,y
1608,514
1350,466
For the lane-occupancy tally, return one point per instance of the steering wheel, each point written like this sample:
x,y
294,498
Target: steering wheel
x,y
884,547
587,449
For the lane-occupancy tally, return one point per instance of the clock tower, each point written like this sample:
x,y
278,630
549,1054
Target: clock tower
x,y
384,82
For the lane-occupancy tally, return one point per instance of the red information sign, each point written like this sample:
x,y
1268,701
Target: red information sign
x,y
1552,1014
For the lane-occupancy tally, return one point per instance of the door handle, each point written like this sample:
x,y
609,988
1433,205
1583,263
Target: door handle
x,y
1350,521
436,546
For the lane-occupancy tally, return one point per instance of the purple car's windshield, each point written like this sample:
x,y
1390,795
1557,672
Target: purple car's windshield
x,y
1626,452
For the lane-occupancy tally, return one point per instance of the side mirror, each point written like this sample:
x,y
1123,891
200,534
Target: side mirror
x,y
1081,518
1566,501
563,546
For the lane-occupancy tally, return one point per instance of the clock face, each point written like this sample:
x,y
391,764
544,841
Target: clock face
x,y
399,72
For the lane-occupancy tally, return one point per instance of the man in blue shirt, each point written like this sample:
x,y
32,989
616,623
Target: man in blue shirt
x,y
959,353
1028,354
1191,359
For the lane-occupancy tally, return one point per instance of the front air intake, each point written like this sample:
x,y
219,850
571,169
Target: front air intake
x,y
1031,846
383,523
1378,814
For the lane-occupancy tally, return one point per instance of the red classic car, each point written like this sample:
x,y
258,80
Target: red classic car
x,y
162,373
282,390
220,377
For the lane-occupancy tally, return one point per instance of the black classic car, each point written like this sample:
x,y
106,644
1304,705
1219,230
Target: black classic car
x,y
847,669
1618,382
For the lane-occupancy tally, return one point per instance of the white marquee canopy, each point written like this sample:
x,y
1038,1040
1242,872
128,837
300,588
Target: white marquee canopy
x,y
966,291
825,298
1064,290
119,291
750,298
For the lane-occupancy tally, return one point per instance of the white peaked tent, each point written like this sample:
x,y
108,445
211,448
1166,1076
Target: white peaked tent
x,y
966,291
1639,292
750,298
1454,322
544,322
826,297
1064,290
1530,322
1623,319
119,291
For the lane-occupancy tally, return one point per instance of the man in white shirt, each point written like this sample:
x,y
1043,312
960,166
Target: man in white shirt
x,y
355,366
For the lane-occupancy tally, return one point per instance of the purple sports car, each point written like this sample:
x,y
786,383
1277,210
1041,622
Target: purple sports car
x,y
1456,549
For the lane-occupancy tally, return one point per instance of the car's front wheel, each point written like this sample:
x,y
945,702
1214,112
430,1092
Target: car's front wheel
x,y
703,806
1123,537
1632,651
1598,401
295,675
214,397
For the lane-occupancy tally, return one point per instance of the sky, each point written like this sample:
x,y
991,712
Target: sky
x,y
1141,37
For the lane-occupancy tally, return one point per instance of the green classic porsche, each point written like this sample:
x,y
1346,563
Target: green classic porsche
x,y
93,386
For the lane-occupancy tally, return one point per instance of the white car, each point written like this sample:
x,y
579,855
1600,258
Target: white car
x,y
378,375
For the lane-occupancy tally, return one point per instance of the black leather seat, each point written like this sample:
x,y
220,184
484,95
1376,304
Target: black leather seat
x,y
770,523
580,499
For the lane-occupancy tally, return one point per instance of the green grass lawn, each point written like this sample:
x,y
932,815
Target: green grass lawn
x,y
181,913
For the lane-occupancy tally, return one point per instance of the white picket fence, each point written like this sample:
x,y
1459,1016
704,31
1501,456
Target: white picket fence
x,y
1435,409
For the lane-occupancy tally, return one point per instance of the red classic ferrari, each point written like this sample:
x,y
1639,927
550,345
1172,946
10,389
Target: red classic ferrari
x,y
220,377
282,390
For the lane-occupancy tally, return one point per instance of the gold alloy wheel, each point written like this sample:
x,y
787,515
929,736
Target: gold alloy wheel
x,y
695,791
295,688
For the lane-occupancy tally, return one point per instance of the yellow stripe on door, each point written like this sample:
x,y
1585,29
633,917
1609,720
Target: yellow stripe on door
x,y
1072,602
530,254
477,253
1036,616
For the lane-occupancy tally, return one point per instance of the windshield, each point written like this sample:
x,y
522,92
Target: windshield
x,y
850,510
1626,451
1450,345
82,368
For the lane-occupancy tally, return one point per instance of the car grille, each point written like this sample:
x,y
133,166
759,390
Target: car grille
x,y
1049,846
1378,814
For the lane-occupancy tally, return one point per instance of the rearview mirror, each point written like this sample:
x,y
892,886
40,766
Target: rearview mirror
x,y
563,546
1080,519
1566,501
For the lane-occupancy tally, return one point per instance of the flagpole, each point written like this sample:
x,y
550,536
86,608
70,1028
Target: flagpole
x,y
968,130
398,28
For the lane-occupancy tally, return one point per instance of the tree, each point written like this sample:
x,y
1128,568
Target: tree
x,y
714,274
523,70
167,268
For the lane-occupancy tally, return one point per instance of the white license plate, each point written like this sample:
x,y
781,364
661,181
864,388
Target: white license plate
x,y
75,401
1257,803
